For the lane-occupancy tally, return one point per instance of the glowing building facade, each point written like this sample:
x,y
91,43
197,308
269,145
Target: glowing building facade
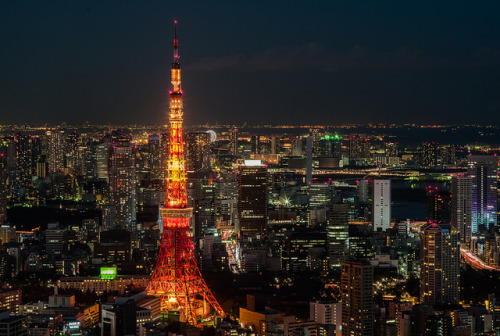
x,y
483,172
177,279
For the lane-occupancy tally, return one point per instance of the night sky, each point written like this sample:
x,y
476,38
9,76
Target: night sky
x,y
253,61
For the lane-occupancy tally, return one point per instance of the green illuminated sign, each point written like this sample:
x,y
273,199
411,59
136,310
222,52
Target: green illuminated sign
x,y
108,273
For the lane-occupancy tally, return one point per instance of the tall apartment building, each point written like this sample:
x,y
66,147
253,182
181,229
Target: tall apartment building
x,y
338,234
381,204
357,298
483,172
122,184
439,264
461,206
252,200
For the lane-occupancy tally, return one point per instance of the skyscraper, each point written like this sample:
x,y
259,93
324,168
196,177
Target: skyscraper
x,y
338,233
122,184
461,206
438,205
154,159
439,264
3,184
197,151
483,171
233,141
252,197
381,204
357,298
55,151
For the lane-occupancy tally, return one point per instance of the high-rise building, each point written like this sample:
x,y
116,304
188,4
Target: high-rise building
x,y
309,158
357,298
197,151
252,197
202,197
439,264
320,195
154,157
330,146
381,204
447,155
461,206
274,144
327,313
3,184
102,160
255,144
483,172
55,150
438,205
338,234
233,141
429,154
54,239
24,165
122,184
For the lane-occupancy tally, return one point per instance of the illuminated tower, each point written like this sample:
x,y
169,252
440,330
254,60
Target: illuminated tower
x,y
176,278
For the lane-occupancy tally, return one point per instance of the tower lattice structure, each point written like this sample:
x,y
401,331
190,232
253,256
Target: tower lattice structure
x,y
177,278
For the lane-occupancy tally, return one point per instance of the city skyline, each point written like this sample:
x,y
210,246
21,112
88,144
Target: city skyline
x,y
387,62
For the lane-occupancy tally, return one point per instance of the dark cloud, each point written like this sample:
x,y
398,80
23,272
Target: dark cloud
x,y
315,56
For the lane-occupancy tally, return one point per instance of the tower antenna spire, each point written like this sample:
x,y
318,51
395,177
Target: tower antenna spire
x,y
176,43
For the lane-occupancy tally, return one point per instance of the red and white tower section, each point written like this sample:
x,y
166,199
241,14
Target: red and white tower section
x,y
177,278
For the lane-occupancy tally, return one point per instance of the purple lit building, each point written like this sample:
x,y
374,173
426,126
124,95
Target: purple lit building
x,y
483,171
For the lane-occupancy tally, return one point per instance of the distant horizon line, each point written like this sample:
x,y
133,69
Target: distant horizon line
x,y
241,125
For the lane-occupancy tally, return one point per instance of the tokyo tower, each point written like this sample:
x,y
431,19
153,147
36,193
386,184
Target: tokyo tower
x,y
177,278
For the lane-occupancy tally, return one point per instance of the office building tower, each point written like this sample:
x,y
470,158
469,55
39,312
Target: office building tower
x,y
24,165
326,312
122,184
359,147
10,299
357,298
119,319
154,157
438,205
391,148
381,205
102,160
3,184
429,155
330,145
461,206
338,234
447,155
309,158
483,172
7,233
164,141
197,151
439,264
364,191
252,197
274,144
320,195
54,239
233,141
202,198
255,144
55,150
